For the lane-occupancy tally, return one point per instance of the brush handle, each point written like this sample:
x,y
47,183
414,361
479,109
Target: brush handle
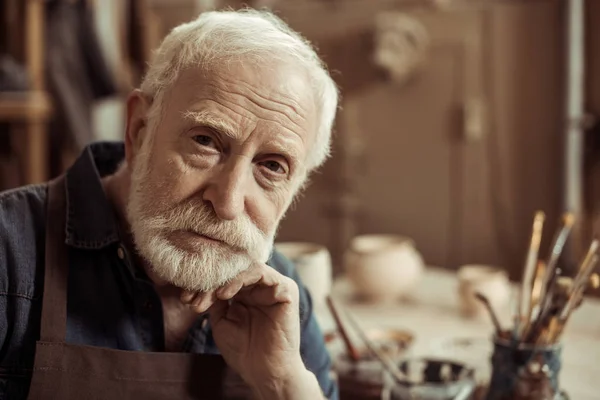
x,y
352,352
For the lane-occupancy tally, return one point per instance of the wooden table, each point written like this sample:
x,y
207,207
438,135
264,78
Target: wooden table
x,y
433,316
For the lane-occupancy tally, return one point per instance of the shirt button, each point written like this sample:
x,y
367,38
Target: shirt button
x,y
121,253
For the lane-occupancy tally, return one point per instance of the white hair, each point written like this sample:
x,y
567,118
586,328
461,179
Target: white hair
x,y
248,35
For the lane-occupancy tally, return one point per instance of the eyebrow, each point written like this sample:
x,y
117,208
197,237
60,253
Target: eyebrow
x,y
210,121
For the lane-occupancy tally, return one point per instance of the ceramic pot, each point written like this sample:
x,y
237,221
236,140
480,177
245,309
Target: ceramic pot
x,y
383,267
313,263
492,282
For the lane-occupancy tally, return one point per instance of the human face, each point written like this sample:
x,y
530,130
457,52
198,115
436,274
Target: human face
x,y
211,183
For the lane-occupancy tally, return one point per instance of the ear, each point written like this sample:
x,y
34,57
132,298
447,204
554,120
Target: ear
x,y
135,131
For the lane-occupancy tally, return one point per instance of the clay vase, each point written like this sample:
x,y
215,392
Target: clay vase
x,y
383,268
490,281
313,263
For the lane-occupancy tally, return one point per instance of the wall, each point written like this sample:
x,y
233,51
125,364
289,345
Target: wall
x,y
593,53
461,201
593,106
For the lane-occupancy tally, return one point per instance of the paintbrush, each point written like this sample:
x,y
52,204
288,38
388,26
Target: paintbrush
x,y
580,283
556,248
538,283
350,349
536,295
527,281
576,292
383,358
550,324
556,298
595,281
560,295
493,315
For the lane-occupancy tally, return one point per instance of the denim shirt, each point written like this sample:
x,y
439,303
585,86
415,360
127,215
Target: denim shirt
x,y
111,302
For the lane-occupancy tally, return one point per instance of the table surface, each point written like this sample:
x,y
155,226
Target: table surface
x,y
432,315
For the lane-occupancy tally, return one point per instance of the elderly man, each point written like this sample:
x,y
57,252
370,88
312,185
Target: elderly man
x,y
142,273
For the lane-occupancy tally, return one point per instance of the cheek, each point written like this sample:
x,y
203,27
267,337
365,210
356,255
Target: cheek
x,y
168,182
266,209
180,182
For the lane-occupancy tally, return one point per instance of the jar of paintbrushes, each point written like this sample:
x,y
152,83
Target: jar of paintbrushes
x,y
526,360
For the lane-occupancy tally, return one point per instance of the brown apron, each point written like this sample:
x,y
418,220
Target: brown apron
x,y
66,371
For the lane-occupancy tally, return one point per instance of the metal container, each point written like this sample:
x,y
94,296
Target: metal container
x,y
360,380
434,379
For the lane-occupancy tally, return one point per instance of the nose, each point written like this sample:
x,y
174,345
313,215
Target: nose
x,y
226,192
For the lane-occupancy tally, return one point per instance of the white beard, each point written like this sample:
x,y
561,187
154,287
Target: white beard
x,y
194,265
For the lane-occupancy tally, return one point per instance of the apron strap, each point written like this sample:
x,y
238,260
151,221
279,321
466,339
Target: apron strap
x,y
54,303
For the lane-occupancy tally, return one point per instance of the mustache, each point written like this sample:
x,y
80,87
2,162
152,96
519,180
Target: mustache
x,y
201,219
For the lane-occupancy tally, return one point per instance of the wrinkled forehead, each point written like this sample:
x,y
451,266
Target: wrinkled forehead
x,y
280,87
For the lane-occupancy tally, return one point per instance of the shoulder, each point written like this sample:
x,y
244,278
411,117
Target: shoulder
x,y
15,202
32,195
22,224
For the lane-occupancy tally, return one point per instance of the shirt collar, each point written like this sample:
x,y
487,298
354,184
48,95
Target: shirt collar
x,y
91,222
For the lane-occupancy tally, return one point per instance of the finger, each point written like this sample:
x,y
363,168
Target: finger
x,y
258,274
197,299
187,296
203,302
230,290
263,296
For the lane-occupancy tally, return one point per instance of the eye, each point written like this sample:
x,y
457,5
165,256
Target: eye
x,y
274,166
205,140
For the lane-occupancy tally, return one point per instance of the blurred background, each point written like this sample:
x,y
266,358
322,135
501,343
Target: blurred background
x,y
453,129
459,120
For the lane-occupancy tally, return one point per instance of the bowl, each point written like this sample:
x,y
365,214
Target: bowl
x,y
383,267
490,281
434,379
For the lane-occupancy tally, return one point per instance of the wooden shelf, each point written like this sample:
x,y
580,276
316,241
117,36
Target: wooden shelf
x,y
24,106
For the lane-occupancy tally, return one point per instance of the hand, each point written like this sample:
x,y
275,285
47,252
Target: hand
x,y
256,326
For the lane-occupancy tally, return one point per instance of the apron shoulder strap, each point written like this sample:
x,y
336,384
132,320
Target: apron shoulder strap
x,y
54,303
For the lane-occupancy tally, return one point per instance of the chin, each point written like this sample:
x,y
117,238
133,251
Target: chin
x,y
203,269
